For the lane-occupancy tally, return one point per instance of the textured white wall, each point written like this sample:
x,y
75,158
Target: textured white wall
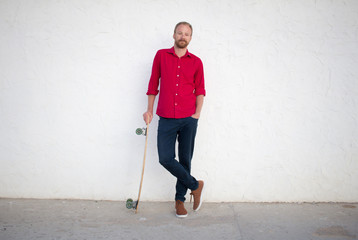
x,y
280,120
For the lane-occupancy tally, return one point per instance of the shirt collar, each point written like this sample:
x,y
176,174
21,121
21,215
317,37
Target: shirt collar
x,y
172,51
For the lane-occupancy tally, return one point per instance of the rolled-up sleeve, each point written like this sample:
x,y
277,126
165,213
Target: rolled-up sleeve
x,y
199,80
155,76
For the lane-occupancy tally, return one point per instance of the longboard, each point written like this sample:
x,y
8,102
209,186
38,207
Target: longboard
x,y
130,204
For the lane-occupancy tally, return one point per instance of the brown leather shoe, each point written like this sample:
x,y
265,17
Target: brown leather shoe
x,y
180,209
197,196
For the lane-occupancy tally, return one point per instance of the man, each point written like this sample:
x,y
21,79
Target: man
x,y
180,75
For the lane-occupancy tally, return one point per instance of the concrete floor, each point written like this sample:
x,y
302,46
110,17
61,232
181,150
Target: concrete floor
x,y
63,219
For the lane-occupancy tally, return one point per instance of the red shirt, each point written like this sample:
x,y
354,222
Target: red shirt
x,y
180,79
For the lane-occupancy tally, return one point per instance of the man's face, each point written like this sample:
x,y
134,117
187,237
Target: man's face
x,y
182,36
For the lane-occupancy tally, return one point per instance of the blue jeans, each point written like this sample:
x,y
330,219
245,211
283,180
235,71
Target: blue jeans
x,y
183,129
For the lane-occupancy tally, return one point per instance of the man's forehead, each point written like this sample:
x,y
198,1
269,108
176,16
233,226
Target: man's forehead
x,y
183,28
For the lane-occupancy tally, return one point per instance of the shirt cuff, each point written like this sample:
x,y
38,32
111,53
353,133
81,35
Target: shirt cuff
x,y
200,92
153,92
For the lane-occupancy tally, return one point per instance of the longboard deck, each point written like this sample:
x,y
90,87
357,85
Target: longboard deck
x,y
130,203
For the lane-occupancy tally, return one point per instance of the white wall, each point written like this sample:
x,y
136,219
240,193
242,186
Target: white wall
x,y
280,120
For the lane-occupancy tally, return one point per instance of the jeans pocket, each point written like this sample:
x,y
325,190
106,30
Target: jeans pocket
x,y
194,119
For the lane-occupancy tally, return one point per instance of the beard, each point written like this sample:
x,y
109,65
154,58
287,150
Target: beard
x,y
181,43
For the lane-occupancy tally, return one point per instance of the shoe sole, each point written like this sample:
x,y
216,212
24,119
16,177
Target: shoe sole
x,y
201,199
181,216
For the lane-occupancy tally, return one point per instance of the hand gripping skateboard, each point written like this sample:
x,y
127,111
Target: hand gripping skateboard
x,y
130,203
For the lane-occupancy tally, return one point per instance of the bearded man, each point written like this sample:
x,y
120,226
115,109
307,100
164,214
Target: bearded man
x,y
179,75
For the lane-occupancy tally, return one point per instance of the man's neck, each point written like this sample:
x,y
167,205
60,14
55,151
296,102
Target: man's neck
x,y
180,51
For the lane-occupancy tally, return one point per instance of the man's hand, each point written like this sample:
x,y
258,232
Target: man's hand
x,y
147,117
196,115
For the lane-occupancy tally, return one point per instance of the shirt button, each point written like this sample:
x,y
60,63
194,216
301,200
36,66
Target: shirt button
x,y
176,104
177,84
176,94
178,66
177,75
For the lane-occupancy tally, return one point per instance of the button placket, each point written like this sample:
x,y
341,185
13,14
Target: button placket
x,y
177,83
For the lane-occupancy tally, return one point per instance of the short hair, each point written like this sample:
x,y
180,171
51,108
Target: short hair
x,y
184,23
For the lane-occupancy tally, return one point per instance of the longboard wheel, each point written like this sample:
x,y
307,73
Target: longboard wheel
x,y
139,131
129,203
